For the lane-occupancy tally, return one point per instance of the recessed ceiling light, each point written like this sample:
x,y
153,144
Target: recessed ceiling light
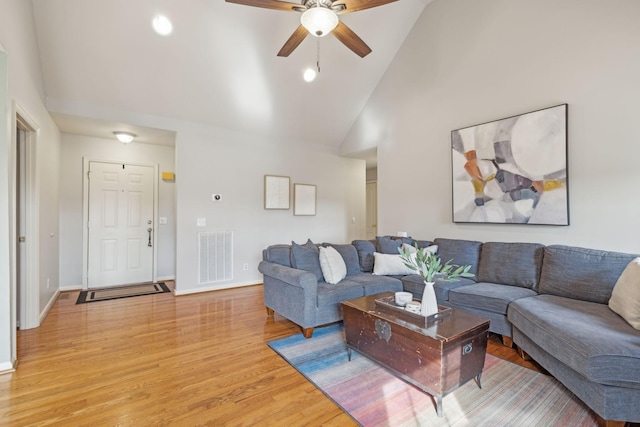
x,y
162,25
309,75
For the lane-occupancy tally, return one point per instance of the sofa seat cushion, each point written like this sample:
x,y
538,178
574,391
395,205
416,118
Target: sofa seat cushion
x,y
372,284
415,284
491,297
588,337
334,294
515,264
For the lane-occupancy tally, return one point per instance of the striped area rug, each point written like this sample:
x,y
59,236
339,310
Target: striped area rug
x,y
510,396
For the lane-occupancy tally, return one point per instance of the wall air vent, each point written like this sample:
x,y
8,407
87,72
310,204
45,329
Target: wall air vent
x,y
215,253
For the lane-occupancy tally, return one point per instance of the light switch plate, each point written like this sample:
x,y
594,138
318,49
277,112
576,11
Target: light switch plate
x,y
162,220
202,222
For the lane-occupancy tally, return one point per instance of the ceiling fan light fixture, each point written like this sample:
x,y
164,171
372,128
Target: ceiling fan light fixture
x,y
124,137
162,25
309,75
319,21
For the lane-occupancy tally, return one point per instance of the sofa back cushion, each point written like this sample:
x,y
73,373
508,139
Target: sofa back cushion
x,y
579,273
349,255
280,254
306,257
461,252
516,264
365,249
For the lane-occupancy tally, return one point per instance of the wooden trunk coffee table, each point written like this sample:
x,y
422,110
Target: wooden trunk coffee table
x,y
437,358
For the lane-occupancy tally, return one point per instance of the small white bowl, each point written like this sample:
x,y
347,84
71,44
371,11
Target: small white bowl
x,y
402,298
413,307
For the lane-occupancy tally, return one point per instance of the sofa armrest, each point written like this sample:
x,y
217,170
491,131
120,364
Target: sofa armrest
x,y
290,292
292,276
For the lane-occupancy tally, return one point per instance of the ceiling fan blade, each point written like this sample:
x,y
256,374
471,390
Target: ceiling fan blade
x,y
296,38
268,4
356,5
351,40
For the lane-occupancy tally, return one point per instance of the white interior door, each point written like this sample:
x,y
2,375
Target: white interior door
x,y
120,246
372,209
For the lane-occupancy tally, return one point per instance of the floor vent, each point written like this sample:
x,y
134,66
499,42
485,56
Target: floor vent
x,y
215,252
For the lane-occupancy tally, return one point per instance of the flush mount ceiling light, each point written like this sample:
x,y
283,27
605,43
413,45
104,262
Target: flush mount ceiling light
x,y
124,137
319,20
162,25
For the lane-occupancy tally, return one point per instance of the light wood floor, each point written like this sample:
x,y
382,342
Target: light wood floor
x,y
164,360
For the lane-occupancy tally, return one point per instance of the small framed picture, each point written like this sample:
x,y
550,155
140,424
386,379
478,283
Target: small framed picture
x,y
276,192
304,199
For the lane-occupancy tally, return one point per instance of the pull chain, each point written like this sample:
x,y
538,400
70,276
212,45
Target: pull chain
x,y
318,56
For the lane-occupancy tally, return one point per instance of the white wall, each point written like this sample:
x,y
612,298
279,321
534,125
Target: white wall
x,y
234,165
25,89
7,295
468,62
74,149
212,159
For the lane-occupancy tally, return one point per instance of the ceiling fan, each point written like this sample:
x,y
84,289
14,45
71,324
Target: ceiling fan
x,y
319,18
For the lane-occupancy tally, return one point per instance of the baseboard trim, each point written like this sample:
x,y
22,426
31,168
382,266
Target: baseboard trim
x,y
46,310
7,368
70,288
219,287
166,278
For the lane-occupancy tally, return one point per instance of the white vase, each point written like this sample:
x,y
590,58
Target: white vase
x,y
429,303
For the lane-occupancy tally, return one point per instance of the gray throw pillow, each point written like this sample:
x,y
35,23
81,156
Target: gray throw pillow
x,y
365,248
389,245
306,257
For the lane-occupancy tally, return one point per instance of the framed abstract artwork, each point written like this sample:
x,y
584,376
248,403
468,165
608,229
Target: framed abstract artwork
x,y
512,170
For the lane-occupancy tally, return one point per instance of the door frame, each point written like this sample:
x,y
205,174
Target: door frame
x,y
367,213
30,290
85,215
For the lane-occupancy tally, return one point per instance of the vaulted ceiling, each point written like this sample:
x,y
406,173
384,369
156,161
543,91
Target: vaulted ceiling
x,y
218,67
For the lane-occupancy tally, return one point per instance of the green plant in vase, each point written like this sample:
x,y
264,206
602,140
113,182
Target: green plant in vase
x,y
429,266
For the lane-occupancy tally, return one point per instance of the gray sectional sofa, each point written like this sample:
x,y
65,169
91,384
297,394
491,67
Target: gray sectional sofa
x,y
294,286
549,300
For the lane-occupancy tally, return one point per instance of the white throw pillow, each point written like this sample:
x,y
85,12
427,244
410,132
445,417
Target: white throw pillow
x,y
407,247
333,267
412,249
389,265
625,297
